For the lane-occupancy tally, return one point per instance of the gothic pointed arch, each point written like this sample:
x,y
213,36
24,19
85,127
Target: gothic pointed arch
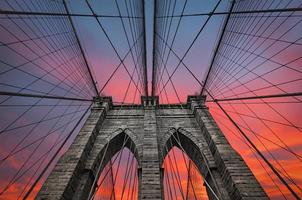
x,y
198,153
105,147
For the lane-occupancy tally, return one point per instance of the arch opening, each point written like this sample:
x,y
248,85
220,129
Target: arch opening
x,y
191,151
181,178
119,178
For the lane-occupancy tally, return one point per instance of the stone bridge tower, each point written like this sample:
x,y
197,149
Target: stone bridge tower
x,y
151,130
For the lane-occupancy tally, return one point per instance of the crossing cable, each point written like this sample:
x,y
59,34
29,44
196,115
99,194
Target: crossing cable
x,y
38,94
24,112
218,45
156,50
51,43
114,176
28,109
37,78
132,169
120,64
18,94
42,158
168,34
170,49
92,193
118,166
263,37
274,158
55,155
262,88
13,179
262,121
178,181
292,95
248,129
279,176
286,146
69,99
135,28
174,37
164,33
252,151
161,81
259,153
101,181
122,147
34,38
205,181
155,46
67,24
173,86
257,76
207,166
35,59
33,13
169,184
94,183
191,45
114,48
164,49
129,45
31,61
133,181
14,151
276,10
235,25
177,169
87,79
81,48
262,156
270,46
127,174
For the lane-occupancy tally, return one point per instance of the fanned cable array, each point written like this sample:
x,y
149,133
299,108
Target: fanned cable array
x,y
119,178
251,77
57,55
182,179
47,80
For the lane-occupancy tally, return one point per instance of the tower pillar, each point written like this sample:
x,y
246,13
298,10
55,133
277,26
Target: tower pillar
x,y
150,163
63,180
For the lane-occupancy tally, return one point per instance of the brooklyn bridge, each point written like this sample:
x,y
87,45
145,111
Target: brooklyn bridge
x,y
151,99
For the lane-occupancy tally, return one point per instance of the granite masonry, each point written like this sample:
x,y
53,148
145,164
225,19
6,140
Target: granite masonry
x,y
150,130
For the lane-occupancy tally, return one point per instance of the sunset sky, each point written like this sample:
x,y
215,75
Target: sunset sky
x,y
258,55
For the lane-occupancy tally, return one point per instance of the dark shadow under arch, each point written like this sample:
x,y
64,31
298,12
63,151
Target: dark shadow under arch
x,y
181,178
188,143
117,140
119,178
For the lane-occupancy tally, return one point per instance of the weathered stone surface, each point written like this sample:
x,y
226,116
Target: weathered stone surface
x,y
150,131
